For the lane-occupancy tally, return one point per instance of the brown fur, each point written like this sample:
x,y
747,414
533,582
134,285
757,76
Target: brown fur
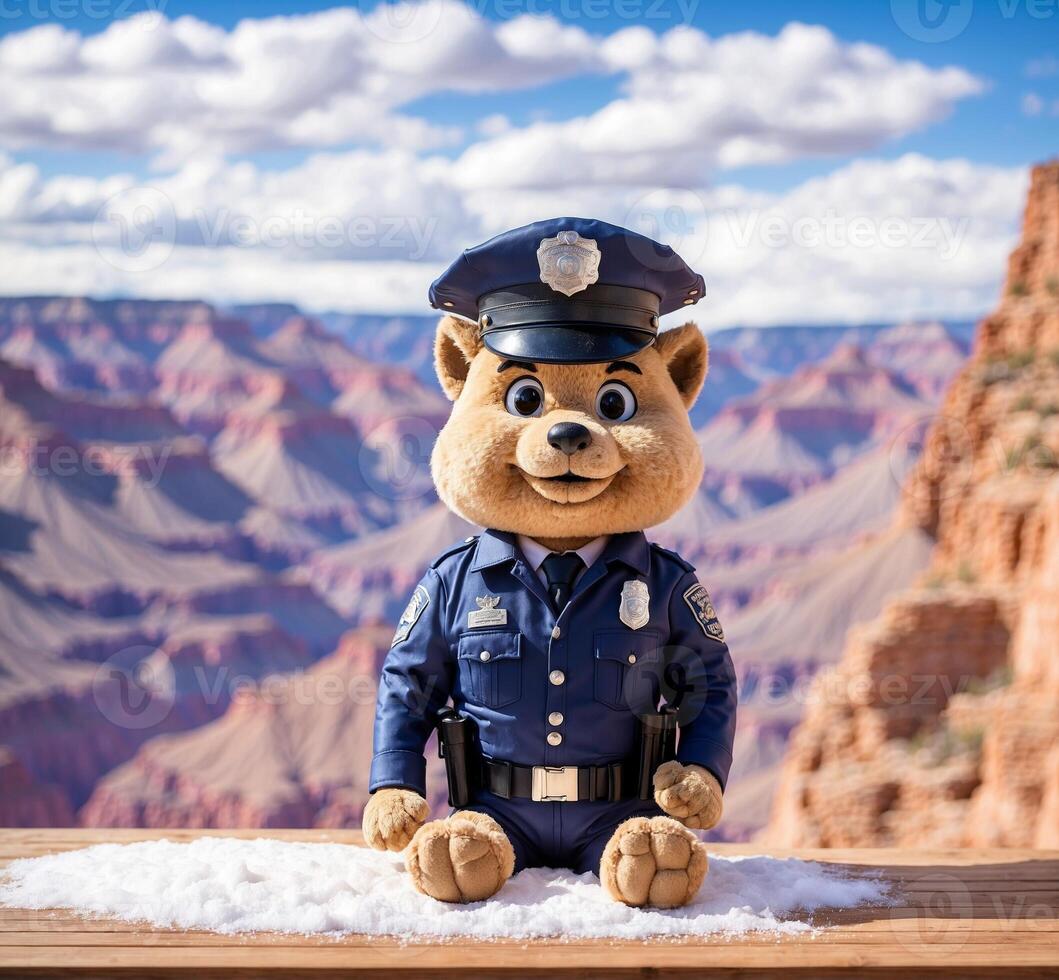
x,y
391,817
466,858
487,463
653,861
491,468
689,793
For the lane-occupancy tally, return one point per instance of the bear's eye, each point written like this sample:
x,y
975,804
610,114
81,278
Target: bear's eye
x,y
525,398
615,402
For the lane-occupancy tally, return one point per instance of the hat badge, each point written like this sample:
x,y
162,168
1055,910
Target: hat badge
x,y
568,262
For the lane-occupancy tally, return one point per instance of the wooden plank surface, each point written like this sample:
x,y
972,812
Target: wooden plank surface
x,y
975,913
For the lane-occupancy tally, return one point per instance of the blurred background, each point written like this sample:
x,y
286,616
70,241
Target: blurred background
x,y
217,227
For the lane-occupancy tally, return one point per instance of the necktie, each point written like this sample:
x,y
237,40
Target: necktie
x,y
561,571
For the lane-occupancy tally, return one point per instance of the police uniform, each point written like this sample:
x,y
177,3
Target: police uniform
x,y
556,690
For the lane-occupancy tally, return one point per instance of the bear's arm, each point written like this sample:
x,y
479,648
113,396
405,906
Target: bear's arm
x,y
417,677
707,730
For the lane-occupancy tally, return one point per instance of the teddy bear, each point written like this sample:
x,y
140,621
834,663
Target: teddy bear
x,y
559,630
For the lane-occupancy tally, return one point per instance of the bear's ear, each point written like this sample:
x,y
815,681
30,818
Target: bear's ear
x,y
455,345
686,355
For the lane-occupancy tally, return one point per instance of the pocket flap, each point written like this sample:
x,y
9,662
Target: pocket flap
x,y
498,644
620,645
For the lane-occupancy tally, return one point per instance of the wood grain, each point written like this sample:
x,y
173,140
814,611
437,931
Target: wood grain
x,y
973,913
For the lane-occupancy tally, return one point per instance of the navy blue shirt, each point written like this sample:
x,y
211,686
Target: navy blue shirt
x,y
480,631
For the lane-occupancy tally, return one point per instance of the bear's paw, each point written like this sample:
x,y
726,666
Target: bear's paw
x,y
653,861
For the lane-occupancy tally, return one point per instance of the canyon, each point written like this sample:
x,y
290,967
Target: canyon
x,y
939,725
210,520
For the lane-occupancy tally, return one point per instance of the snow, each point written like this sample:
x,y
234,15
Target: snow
x,y
239,886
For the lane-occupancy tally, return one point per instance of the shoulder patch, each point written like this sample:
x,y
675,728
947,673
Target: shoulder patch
x,y
673,556
419,601
701,606
464,545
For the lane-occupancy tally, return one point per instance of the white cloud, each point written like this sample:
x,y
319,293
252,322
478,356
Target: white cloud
x,y
220,275
48,49
694,105
493,125
183,88
873,240
368,229
149,42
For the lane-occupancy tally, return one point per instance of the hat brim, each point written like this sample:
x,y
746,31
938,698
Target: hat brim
x,y
568,343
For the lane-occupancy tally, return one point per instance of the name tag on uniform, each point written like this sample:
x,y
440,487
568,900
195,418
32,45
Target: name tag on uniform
x,y
487,613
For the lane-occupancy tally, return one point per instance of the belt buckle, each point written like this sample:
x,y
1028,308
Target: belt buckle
x,y
554,784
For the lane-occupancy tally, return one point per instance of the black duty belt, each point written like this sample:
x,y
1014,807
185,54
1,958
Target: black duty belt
x,y
557,784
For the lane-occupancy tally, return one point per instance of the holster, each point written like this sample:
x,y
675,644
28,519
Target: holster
x,y
658,744
458,746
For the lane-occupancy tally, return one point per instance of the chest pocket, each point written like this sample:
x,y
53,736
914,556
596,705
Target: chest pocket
x,y
620,653
490,663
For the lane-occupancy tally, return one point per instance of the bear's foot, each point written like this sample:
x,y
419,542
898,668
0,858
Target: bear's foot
x,y
653,861
464,858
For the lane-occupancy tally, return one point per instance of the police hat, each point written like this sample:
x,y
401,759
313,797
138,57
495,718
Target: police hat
x,y
567,290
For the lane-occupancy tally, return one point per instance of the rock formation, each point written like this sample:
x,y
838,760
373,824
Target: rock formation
x,y
180,487
25,803
940,725
289,752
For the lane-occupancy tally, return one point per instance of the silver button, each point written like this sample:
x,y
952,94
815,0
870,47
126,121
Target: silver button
x,y
555,718
556,632
554,738
557,677
632,658
468,540
484,655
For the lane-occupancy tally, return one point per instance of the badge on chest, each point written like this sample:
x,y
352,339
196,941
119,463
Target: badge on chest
x,y
488,612
635,607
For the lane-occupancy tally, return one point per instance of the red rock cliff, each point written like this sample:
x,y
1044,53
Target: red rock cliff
x,y
26,803
940,725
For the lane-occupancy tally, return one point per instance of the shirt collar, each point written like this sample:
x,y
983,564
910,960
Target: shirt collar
x,y
496,547
493,548
631,548
535,553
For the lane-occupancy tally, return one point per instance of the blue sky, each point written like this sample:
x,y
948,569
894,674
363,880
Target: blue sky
x,y
454,121
1002,42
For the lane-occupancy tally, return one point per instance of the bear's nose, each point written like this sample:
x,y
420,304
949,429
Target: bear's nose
x,y
569,437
